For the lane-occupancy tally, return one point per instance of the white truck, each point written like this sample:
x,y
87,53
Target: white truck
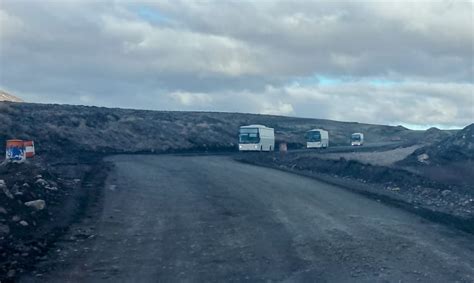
x,y
317,138
256,138
357,139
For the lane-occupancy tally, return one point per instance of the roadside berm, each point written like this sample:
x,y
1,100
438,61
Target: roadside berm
x,y
39,199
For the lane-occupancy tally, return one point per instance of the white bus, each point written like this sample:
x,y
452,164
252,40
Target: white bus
x,y
256,138
357,139
317,138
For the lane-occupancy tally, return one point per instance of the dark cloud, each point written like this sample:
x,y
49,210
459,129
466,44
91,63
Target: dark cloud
x,y
245,56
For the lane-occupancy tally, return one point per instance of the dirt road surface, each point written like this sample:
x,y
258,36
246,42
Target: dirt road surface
x,y
212,219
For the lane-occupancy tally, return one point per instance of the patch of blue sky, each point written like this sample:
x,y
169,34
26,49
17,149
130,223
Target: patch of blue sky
x,y
323,80
317,80
382,82
331,81
151,15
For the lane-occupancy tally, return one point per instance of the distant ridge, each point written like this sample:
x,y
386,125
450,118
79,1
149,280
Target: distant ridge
x,y
67,128
4,96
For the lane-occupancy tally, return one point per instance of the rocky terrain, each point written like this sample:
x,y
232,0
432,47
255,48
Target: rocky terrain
x,y
434,135
448,160
39,199
451,149
384,158
56,128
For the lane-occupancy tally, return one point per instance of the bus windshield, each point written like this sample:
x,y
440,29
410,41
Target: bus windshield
x,y
314,136
249,135
356,137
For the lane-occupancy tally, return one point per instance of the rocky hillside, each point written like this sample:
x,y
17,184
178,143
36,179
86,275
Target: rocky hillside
x,y
59,128
456,148
434,135
4,96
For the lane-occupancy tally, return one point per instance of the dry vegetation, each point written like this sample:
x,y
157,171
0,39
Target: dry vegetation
x,y
59,128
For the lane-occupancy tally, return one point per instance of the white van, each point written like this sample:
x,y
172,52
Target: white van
x,y
317,138
357,139
256,138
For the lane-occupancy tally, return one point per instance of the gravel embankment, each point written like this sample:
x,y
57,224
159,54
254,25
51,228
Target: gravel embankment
x,y
39,199
382,158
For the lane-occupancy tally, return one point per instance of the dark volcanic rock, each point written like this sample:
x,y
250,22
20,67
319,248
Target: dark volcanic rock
x,y
33,214
434,135
456,148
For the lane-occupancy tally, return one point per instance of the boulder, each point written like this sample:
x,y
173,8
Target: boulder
x,y
6,191
11,273
41,182
423,158
445,193
38,204
4,188
4,229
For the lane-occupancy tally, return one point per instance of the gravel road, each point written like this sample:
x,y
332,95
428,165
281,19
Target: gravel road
x,y
367,147
211,219
382,158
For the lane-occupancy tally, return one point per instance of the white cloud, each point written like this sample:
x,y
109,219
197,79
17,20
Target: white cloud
x,y
417,103
279,108
9,25
191,99
180,50
246,56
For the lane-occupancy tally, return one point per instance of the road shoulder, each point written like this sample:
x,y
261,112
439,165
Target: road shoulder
x,y
436,202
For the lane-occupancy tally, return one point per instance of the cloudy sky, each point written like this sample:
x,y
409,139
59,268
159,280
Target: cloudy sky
x,y
377,62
